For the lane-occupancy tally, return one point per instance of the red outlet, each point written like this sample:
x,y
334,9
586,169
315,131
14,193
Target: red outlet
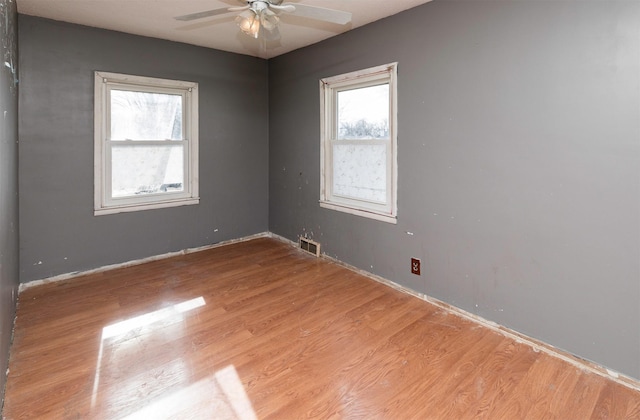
x,y
415,266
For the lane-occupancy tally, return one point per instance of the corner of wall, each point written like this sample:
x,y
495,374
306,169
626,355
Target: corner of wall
x,y
9,248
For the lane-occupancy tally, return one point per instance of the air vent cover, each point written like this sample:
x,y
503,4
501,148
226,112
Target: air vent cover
x,y
312,247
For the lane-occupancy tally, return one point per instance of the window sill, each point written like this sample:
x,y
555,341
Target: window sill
x,y
383,217
145,206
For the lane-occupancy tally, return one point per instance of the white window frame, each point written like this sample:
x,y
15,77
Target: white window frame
x,y
104,202
329,88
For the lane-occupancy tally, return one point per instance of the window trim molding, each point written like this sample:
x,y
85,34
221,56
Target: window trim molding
x,y
328,88
104,81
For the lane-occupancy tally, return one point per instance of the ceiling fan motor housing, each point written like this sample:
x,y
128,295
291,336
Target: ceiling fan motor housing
x,y
259,5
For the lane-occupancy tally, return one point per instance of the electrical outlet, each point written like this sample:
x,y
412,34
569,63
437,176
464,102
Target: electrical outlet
x,y
415,266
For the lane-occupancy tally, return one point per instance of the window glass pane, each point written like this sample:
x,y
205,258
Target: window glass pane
x,y
360,171
140,170
145,116
364,113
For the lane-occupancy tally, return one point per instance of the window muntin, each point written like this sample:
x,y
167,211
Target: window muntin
x,y
358,117
146,143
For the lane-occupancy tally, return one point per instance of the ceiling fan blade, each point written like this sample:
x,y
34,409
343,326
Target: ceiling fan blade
x,y
290,8
320,13
200,15
239,8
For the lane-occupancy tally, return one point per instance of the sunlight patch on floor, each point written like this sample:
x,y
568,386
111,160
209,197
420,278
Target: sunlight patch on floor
x,y
116,336
220,396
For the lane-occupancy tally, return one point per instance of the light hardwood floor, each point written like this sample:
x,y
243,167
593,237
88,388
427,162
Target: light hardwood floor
x,y
259,330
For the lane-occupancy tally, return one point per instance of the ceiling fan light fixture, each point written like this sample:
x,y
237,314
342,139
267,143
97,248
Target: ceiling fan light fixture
x,y
249,23
269,20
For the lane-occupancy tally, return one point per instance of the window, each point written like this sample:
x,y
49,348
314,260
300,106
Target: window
x,y
146,143
358,135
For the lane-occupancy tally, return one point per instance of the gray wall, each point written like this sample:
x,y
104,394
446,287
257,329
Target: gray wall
x,y
58,231
8,179
519,164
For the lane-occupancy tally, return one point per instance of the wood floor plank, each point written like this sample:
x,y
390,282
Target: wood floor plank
x,y
611,404
258,329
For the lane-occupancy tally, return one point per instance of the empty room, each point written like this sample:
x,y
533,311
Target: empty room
x,y
282,209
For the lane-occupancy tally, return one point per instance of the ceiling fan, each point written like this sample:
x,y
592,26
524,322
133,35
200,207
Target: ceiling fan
x,y
260,18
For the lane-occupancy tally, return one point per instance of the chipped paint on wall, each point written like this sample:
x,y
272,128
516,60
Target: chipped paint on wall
x,y
9,41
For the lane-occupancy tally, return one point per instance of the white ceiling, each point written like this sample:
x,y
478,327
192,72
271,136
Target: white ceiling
x,y
155,18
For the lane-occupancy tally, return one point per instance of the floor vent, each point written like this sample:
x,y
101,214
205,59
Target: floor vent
x,y
310,246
